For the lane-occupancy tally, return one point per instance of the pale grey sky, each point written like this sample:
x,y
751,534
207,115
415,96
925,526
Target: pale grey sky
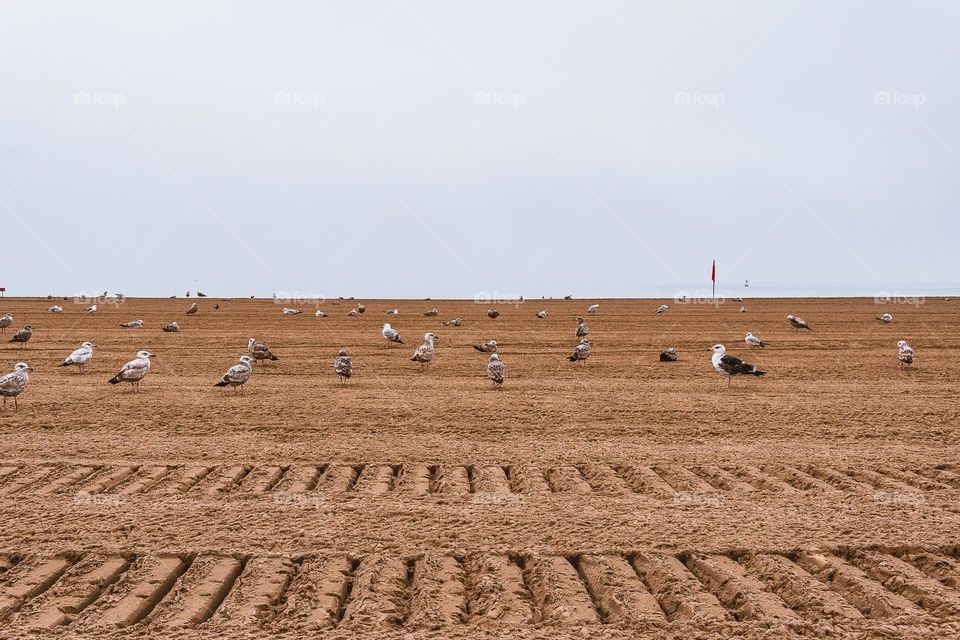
x,y
432,148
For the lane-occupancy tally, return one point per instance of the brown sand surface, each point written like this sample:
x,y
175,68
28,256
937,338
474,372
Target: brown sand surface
x,y
620,498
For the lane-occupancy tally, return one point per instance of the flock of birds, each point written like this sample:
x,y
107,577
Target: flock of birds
x,y
133,372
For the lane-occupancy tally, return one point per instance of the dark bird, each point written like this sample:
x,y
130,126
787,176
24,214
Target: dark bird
x,y
173,327
23,336
492,314
669,355
731,366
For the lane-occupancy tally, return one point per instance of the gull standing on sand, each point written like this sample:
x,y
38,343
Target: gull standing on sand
x,y
134,371
754,341
13,384
592,309
259,351
23,336
581,352
798,323
425,352
237,375
885,318
582,329
133,324
390,334
496,370
80,357
55,309
731,366
343,365
905,353
5,321
173,327
490,346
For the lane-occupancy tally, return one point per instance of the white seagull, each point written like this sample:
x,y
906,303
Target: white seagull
x,y
290,312
425,352
885,318
593,308
392,312
237,375
543,314
133,324
80,357
173,327
193,309
905,353
91,309
456,322
353,313
13,384
320,314
798,323
390,334
5,321
55,309
754,341
581,352
134,371
496,370
662,308
432,313
731,366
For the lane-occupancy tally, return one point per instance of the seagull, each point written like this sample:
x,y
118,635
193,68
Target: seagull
x,y
662,309
80,357
456,322
5,321
492,314
582,329
343,365
133,324
55,309
193,309
134,371
593,308
433,312
543,314
487,347
361,308
743,309
753,341
290,312
200,294
392,312
173,327
23,336
353,312
905,354
390,334
798,323
259,351
13,384
885,318
568,297
91,309
581,352
425,352
320,314
496,370
238,374
731,366
669,355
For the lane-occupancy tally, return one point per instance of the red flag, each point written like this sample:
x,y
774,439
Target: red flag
x,y
713,272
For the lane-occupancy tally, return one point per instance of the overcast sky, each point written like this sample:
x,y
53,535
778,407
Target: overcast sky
x,y
433,148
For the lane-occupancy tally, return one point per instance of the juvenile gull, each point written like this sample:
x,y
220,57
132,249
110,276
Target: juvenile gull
x,y
456,322
193,309
353,312
173,327
743,309
731,366
669,355
581,352
662,309
5,321
134,371
55,309
425,352
496,370
290,312
343,365
905,353
13,384
23,336
543,314
91,309
237,375
361,308
754,341
489,346
885,318
582,329
433,312
593,308
390,334
392,312
80,357
798,323
320,314
492,314
133,324
259,351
